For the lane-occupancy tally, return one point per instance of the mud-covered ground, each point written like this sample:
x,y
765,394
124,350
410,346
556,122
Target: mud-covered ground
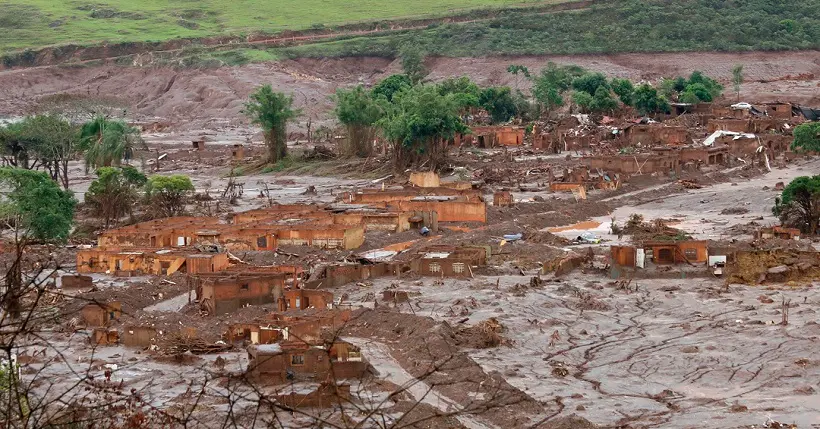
x,y
194,100
676,353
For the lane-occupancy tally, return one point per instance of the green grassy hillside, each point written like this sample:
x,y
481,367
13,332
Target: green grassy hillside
x,y
37,23
622,26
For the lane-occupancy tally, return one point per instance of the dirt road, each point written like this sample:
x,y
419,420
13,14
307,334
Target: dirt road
x,y
195,99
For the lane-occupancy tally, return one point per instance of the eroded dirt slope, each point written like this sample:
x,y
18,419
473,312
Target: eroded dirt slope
x,y
210,98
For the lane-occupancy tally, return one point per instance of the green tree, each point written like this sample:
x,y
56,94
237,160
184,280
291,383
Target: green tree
x,y
419,123
35,205
412,62
552,82
58,142
359,112
168,195
624,89
390,85
526,109
517,69
47,141
590,82
17,146
583,100
647,100
602,101
668,87
272,111
465,91
711,85
35,208
113,194
689,98
499,103
737,78
700,91
799,204
107,142
807,137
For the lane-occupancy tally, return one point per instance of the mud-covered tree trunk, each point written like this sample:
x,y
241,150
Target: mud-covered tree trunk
x,y
430,154
359,140
276,141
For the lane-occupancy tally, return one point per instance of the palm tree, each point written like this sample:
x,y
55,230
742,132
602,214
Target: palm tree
x,y
107,142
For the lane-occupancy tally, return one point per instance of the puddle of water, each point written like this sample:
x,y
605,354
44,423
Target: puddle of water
x,y
585,225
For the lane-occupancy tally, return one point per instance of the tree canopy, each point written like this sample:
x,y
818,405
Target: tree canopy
x,y
390,85
807,137
697,88
359,112
107,141
647,100
169,194
737,78
624,89
113,194
272,111
590,82
499,103
799,204
552,82
466,92
419,122
35,205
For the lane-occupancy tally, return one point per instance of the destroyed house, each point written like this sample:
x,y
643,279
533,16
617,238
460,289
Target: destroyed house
x,y
137,262
451,204
139,336
750,144
701,155
575,178
76,282
277,211
425,179
636,164
447,209
168,232
322,236
375,220
183,232
305,326
370,196
778,110
371,218
301,299
655,134
492,136
751,125
340,274
294,274
296,360
97,314
503,199
326,394
449,261
661,253
779,232
220,294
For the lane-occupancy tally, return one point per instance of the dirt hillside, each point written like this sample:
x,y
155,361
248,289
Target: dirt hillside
x,y
208,98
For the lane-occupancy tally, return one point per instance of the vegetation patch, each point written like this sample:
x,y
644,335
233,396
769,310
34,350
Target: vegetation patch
x,y
623,26
157,20
19,16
